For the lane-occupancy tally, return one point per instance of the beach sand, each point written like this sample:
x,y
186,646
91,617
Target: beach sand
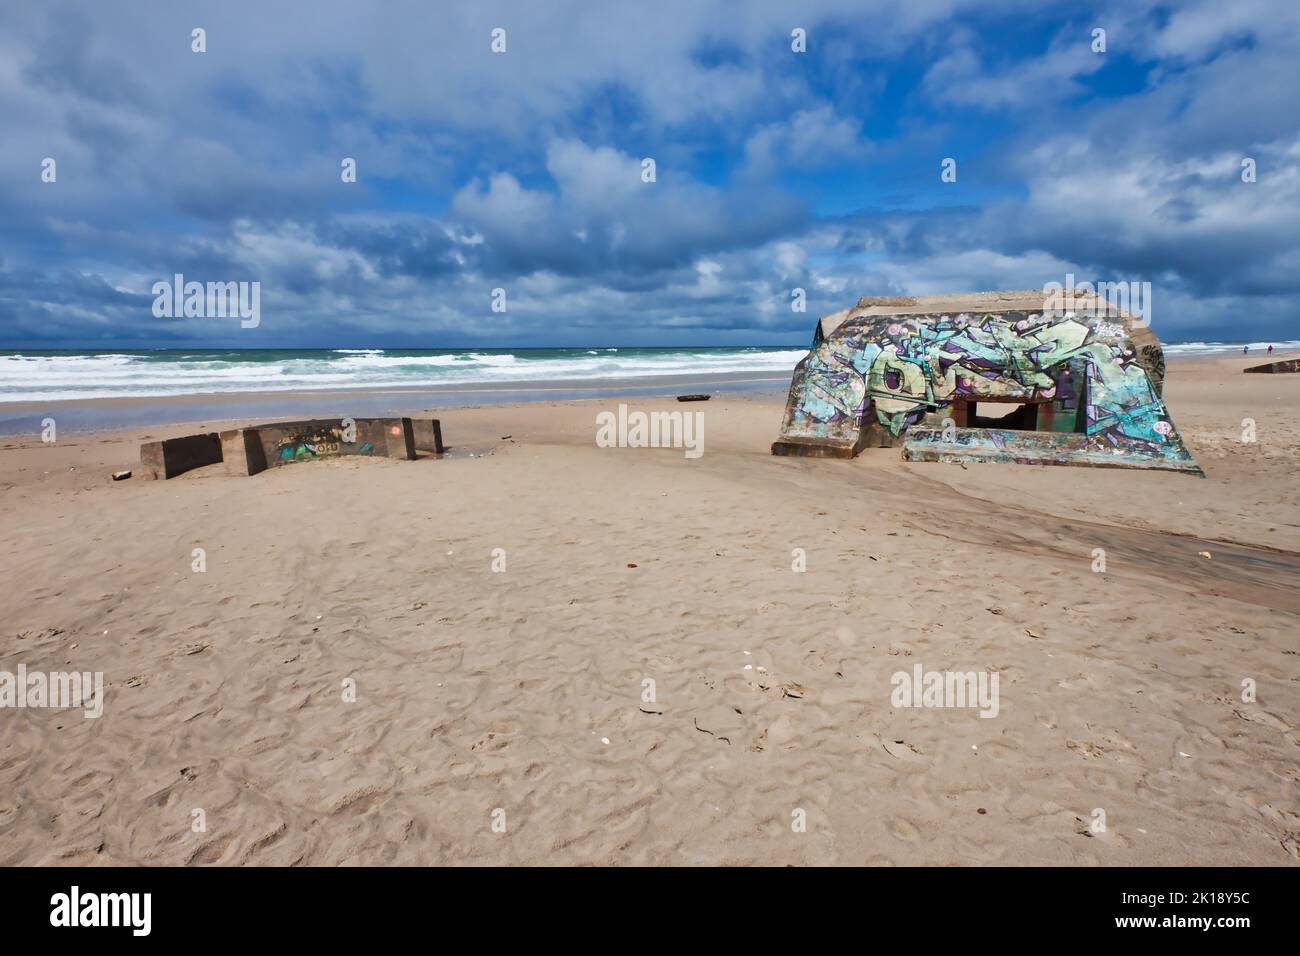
x,y
520,698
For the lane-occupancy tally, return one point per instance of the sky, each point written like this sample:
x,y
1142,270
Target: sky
x,y
524,170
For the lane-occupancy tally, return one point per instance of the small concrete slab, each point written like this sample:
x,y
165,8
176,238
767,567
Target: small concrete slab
x,y
160,460
1027,448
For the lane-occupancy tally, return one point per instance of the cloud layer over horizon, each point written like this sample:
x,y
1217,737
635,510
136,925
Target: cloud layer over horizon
x,y
522,170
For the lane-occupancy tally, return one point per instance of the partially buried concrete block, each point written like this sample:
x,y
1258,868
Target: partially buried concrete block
x,y
1286,365
247,451
241,450
428,435
286,442
958,445
175,456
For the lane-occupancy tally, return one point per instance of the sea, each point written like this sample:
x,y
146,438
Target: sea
x,y
40,375
106,389
60,375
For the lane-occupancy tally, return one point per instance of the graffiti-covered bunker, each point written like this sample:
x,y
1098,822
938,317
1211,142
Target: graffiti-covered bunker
x,y
986,376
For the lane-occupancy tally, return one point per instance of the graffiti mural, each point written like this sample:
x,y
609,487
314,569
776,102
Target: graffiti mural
x,y
1082,374
316,440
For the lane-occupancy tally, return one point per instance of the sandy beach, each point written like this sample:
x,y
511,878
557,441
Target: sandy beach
x,y
649,680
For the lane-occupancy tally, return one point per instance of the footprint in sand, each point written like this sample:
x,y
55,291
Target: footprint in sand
x,y
358,800
490,741
209,852
902,750
1263,717
904,830
265,840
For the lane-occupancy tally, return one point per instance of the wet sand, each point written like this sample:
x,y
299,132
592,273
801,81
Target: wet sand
x,y
107,414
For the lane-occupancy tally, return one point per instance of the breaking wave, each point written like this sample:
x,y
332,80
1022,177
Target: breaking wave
x,y
55,376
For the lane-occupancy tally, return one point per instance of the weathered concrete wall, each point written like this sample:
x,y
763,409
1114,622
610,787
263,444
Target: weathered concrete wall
x,y
175,456
1149,354
284,443
1286,365
247,451
888,365
241,451
428,435
924,443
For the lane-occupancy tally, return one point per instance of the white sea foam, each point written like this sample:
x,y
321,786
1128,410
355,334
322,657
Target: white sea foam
x,y
1225,348
36,378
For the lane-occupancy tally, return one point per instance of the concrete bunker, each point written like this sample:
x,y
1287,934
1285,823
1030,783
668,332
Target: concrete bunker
x,y
248,451
1080,378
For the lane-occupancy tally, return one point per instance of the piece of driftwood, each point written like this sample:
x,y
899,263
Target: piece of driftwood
x,y
693,398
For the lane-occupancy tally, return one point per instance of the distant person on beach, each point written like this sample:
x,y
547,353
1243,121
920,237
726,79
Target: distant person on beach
x,y
1270,350
1245,349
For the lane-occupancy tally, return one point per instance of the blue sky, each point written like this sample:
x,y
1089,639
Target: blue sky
x,y
521,170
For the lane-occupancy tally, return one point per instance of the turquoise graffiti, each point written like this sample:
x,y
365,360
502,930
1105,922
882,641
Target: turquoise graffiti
x,y
1084,372
300,451
316,444
310,444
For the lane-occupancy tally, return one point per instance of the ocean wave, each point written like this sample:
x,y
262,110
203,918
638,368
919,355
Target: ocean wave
x,y
35,378
1223,348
